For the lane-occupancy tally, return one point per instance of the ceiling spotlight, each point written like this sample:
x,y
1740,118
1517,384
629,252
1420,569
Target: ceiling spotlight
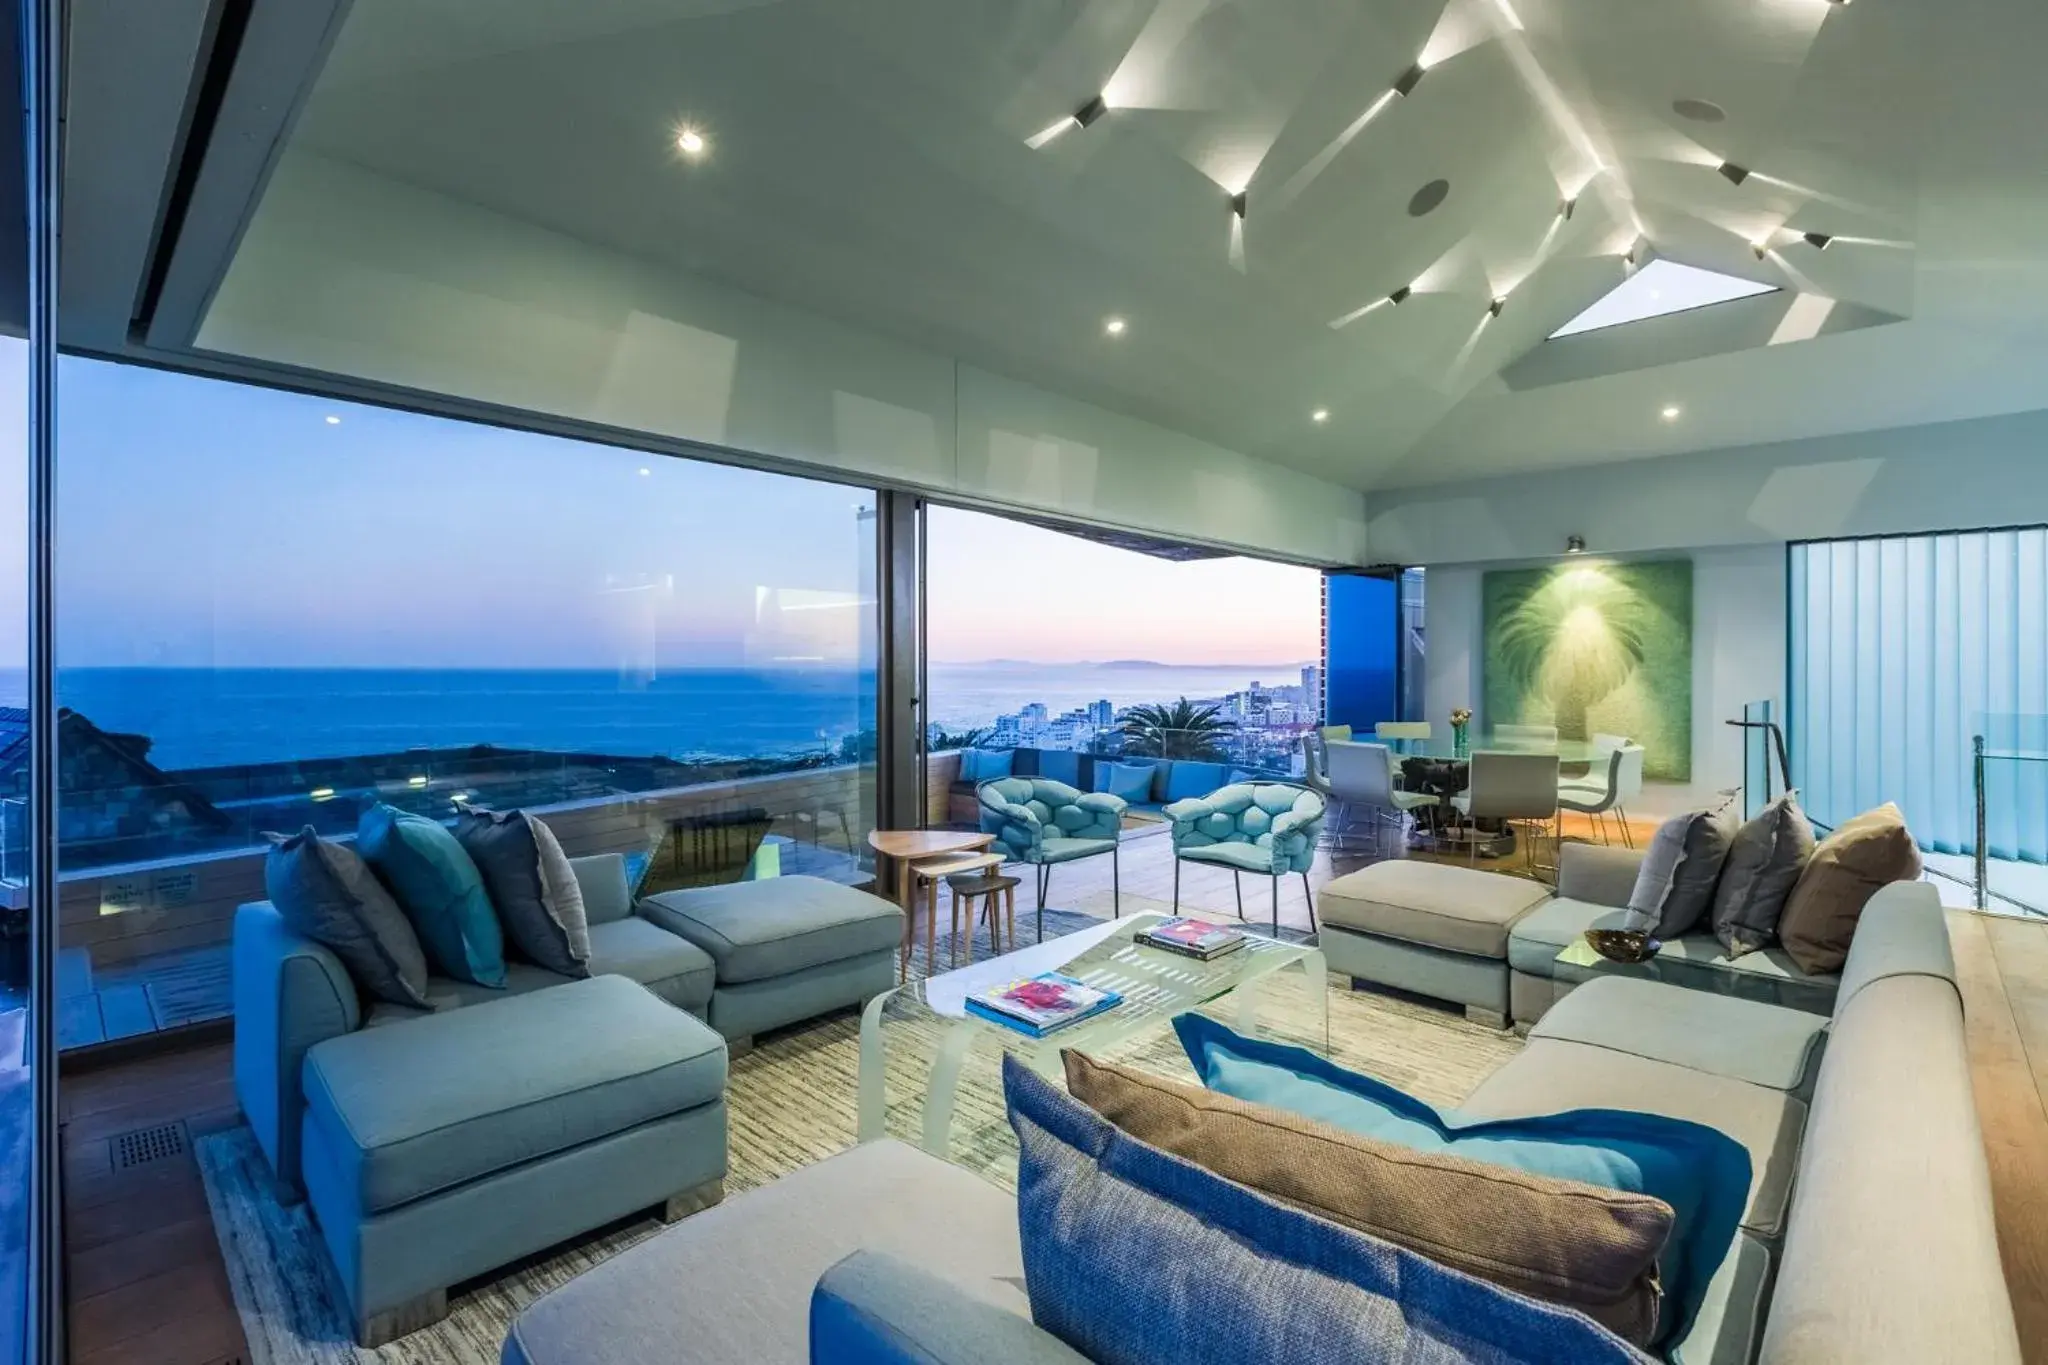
x,y
1819,241
1762,249
1091,111
1113,327
1671,412
1575,545
1493,309
1319,415
1238,201
1733,173
1410,78
1567,208
332,420
690,142
1400,296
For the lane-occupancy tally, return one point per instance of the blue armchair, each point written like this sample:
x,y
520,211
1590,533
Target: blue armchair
x,y
1270,828
1042,822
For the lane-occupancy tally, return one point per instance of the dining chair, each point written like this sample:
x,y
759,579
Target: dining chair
x,y
1605,743
1315,772
1609,792
1362,775
1399,733
1514,788
1525,736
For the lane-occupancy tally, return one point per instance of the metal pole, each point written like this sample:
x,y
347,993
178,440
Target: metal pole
x,y
1977,765
42,28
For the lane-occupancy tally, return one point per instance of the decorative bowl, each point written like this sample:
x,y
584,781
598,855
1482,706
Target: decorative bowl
x,y
1623,945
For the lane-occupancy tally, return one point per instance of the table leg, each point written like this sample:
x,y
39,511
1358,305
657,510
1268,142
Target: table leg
x,y
1248,1008
873,1072
1317,968
945,1086
931,926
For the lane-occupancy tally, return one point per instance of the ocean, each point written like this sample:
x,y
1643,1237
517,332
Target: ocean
x,y
207,717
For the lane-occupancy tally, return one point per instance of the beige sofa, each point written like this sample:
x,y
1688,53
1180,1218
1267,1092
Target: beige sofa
x,y
1868,1237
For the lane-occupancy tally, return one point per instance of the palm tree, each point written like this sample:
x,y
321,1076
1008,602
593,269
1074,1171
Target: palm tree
x,y
943,739
1572,639
1182,730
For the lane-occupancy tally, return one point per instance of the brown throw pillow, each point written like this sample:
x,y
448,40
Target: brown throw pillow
x,y
1578,1245
1845,871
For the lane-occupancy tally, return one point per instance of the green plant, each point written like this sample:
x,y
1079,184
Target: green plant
x,y
1181,730
1573,638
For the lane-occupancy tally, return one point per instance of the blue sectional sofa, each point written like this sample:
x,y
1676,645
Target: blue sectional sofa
x,y
1175,779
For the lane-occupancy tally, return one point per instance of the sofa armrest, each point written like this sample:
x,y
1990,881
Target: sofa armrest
x,y
873,1309
1598,874
1101,803
1186,809
290,993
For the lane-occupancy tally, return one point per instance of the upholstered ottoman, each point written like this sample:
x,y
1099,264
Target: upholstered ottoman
x,y
785,948
1430,928
462,1141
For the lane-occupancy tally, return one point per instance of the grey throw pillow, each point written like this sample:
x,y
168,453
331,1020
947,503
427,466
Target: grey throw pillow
x,y
1675,889
531,883
1762,868
325,892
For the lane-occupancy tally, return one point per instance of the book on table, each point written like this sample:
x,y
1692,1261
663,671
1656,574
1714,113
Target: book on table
x,y
1192,938
1041,1004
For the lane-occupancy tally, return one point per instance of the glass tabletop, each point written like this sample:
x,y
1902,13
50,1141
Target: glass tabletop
x,y
1155,985
1443,746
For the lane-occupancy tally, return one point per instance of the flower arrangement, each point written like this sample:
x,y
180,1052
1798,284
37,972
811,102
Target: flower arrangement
x,y
1460,718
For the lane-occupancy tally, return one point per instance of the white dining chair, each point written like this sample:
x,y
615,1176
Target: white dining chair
x,y
1362,777
1397,734
1525,736
1516,789
1608,793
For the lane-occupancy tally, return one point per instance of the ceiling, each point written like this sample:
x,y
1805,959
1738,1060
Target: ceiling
x,y
872,162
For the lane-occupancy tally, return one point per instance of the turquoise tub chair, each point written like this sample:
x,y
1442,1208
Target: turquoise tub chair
x,y
1270,828
1042,822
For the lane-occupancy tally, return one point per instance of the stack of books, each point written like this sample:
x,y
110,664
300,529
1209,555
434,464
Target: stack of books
x,y
1041,1004
1192,938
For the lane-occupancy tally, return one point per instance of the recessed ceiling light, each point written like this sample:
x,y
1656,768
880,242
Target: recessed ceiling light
x,y
1319,415
1113,326
1671,412
645,472
332,420
1733,173
690,142
1699,111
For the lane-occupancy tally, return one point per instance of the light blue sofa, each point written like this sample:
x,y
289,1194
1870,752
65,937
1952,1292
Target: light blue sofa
x,y
1040,822
1268,828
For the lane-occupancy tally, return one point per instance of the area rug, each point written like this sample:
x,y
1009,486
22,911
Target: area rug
x,y
791,1102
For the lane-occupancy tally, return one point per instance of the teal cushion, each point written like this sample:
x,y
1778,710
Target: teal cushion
x,y
1188,779
986,765
440,889
1704,1175
1130,781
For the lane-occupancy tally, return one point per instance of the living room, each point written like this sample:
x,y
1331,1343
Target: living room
x,y
1125,680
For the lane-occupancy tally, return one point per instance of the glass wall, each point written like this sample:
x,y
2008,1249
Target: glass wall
x,y
1043,642
279,611
16,1107
1903,651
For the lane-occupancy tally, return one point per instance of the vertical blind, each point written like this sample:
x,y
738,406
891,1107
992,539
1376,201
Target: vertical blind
x,y
1903,649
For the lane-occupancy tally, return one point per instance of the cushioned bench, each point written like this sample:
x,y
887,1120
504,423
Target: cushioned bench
x,y
464,1140
783,948
1430,928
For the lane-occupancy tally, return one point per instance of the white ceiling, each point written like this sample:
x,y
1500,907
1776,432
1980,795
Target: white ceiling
x,y
869,161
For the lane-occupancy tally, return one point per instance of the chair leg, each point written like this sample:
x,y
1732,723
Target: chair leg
x,y
1116,884
1309,898
931,925
1010,915
1275,879
1628,836
1176,885
1237,885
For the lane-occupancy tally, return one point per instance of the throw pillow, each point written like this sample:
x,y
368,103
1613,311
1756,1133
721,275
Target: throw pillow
x,y
531,884
1763,864
439,888
1675,888
1702,1174
1845,871
986,765
1563,1241
325,892
1129,781
1133,1256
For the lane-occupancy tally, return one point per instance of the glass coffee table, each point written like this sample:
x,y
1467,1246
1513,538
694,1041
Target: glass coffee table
x,y
1156,985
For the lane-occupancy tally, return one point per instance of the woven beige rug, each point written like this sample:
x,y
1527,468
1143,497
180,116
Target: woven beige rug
x,y
791,1101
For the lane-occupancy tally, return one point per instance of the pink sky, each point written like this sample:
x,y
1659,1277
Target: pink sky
x,y
998,589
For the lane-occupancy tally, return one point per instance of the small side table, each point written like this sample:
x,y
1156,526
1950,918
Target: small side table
x,y
997,897
928,873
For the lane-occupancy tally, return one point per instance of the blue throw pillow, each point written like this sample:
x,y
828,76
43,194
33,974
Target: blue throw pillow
x,y
986,765
1703,1174
1187,779
1133,1256
442,893
1130,781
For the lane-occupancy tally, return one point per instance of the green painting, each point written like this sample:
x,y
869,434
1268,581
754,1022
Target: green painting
x,y
1595,648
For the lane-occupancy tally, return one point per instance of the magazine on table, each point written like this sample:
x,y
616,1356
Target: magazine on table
x,y
1041,1004
1192,938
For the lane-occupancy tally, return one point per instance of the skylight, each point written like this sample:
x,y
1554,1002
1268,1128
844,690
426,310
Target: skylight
x,y
1660,288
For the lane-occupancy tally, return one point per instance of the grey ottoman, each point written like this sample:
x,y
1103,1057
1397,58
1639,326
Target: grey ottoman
x,y
785,948
448,1146
1430,928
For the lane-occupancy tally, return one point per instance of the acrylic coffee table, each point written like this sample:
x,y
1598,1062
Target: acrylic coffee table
x,y
1156,985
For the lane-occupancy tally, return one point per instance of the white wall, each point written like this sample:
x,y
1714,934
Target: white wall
x,y
349,273
1738,657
